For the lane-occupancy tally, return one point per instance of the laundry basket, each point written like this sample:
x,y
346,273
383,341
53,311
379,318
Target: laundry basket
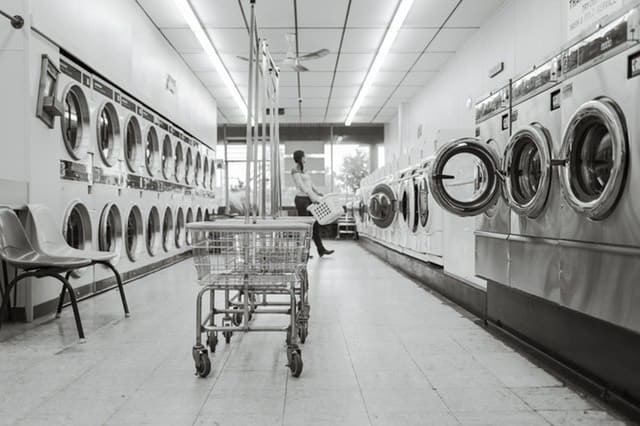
x,y
328,209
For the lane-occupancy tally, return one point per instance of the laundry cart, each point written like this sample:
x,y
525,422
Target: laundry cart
x,y
257,268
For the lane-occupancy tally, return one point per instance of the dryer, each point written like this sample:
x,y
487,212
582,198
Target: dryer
x,y
429,217
382,207
408,207
466,179
532,182
108,174
600,179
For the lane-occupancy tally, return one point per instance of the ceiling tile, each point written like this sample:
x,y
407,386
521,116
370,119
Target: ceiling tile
x,y
418,78
272,13
233,63
314,102
230,40
340,103
431,13
412,39
325,13
406,92
289,92
345,91
288,102
310,40
218,13
451,39
355,61
311,78
362,40
472,13
399,61
288,78
388,78
371,13
164,13
432,61
315,92
183,40
349,78
379,92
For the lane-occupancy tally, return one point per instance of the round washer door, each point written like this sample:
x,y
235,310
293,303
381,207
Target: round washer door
x,y
465,177
382,209
595,149
423,202
404,203
527,163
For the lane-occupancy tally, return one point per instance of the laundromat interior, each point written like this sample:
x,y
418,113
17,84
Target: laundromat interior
x,y
302,212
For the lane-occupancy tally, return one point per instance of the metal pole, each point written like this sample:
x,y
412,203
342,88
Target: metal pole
x,y
227,204
265,77
331,171
247,209
256,123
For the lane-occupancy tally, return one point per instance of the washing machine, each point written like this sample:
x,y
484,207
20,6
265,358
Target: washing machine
x,y
600,179
466,179
532,182
429,218
383,209
408,220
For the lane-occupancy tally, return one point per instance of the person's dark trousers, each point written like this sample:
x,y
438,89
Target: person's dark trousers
x,y
301,205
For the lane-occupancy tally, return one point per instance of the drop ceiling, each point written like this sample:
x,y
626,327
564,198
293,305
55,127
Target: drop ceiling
x,y
432,33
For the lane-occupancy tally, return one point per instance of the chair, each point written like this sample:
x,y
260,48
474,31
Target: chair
x,y
48,239
16,250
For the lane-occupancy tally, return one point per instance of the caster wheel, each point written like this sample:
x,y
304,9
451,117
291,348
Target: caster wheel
x,y
303,333
212,342
227,336
295,363
203,365
237,319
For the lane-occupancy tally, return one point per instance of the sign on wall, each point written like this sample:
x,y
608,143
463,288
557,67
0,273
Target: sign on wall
x,y
583,15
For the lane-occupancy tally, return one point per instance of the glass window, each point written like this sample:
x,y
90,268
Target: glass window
x,y
108,129
132,143
134,233
152,151
153,229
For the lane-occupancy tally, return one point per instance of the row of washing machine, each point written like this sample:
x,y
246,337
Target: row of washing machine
x,y
117,175
552,176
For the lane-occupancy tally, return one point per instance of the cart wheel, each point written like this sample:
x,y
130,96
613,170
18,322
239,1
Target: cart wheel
x,y
237,319
295,363
203,365
303,332
227,336
212,342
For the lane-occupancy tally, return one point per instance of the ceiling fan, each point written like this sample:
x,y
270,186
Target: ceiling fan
x,y
291,60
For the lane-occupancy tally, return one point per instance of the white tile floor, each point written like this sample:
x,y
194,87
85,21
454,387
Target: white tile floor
x,y
381,351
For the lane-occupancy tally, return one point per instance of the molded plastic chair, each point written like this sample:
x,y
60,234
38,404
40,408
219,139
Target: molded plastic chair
x,y
48,239
16,250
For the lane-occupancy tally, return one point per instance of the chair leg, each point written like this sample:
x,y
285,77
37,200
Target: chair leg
x,y
61,301
74,303
14,281
125,306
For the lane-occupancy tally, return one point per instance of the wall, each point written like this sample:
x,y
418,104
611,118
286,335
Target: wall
x,y
117,39
520,33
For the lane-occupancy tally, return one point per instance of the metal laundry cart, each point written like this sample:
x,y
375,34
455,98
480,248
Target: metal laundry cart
x,y
247,264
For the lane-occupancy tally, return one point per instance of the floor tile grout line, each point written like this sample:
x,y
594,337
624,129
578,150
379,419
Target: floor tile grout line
x,y
234,348
284,402
427,378
355,374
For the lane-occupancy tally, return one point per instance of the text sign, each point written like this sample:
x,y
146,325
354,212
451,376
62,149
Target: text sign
x,y
583,15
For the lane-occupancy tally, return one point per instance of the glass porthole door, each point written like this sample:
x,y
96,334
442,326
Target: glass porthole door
x,y
527,163
465,177
595,151
423,202
382,206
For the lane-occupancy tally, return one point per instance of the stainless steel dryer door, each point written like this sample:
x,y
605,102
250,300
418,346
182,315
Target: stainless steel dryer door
x,y
382,206
595,150
527,164
465,177
423,202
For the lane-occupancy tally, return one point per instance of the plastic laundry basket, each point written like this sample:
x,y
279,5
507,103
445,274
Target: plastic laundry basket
x,y
328,209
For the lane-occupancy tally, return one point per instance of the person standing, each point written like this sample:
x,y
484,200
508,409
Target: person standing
x,y
306,194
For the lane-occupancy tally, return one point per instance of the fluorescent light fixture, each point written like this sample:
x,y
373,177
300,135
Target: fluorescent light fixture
x,y
194,23
389,37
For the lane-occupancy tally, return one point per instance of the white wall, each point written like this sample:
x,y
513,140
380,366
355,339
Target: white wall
x,y
521,33
116,38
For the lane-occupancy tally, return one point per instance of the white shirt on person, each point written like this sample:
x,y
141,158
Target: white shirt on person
x,y
304,186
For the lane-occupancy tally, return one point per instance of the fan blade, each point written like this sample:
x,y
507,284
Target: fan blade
x,y
243,58
291,45
298,67
314,55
